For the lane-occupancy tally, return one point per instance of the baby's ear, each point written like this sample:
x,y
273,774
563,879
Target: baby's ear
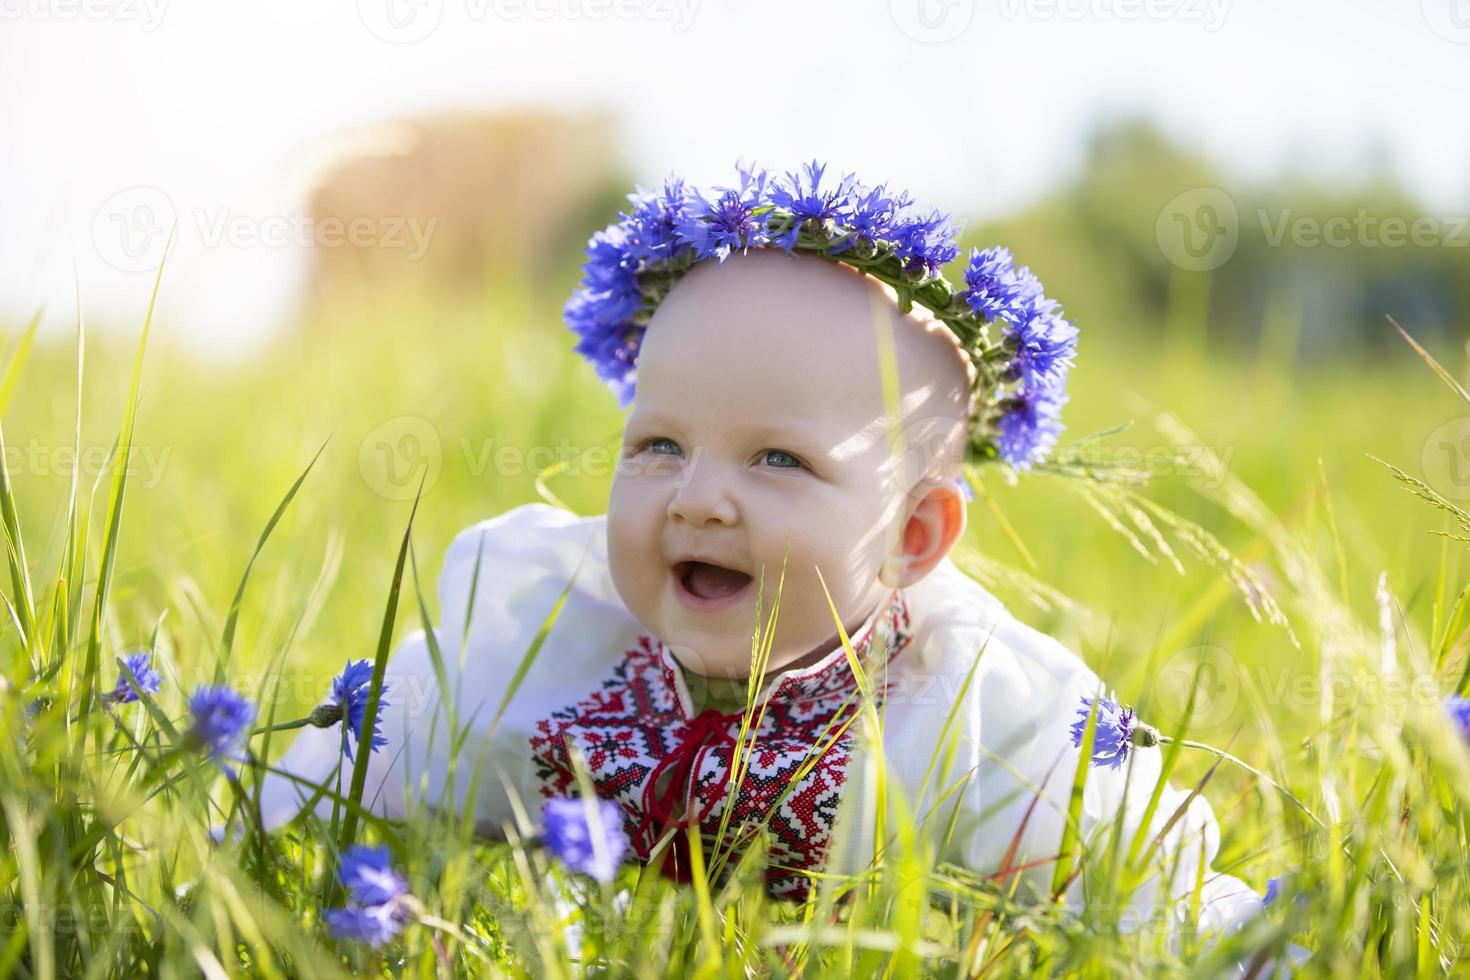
x,y
934,525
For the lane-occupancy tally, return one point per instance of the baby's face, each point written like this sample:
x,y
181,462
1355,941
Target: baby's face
x,y
757,430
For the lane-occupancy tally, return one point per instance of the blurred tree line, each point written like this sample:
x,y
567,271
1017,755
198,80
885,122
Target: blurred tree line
x,y
1311,274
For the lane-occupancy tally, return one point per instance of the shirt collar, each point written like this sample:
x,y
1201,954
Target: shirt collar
x,y
888,627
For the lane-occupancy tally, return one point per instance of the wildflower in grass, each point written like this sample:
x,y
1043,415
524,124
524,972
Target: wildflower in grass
x,y
379,904
144,676
592,847
1116,731
371,924
367,874
222,719
1459,711
1287,884
348,704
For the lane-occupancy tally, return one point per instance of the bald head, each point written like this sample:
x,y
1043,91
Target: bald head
x,y
806,337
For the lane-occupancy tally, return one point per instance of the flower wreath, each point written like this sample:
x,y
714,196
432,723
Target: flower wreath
x,y
632,264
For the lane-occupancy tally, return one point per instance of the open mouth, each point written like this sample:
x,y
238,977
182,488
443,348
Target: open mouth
x,y
707,586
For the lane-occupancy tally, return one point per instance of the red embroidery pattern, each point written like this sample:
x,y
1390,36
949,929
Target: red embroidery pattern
x,y
645,753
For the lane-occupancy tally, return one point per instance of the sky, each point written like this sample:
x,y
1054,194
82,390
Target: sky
x,y
115,113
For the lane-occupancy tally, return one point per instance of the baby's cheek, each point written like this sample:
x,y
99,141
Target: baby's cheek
x,y
626,564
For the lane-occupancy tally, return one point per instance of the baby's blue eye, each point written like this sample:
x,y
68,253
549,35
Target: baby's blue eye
x,y
655,442
793,462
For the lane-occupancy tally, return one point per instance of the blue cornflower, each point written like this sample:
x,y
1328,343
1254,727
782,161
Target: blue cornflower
x,y
601,311
371,924
924,244
728,223
592,848
1030,425
1044,344
1273,889
379,904
609,294
1287,883
1115,732
1459,711
997,289
612,349
144,676
810,202
348,704
367,874
652,229
222,720
871,218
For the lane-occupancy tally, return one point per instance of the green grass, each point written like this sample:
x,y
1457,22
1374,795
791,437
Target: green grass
x,y
257,538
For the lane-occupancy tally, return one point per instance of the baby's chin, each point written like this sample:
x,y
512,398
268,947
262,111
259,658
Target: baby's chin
x,y
717,650
720,664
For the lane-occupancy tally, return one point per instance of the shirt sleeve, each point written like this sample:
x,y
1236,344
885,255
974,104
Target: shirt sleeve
x,y
1026,696
500,582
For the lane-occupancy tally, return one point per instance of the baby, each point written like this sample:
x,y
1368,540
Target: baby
x,y
789,464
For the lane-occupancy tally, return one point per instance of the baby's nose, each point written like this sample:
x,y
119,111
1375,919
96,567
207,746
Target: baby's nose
x,y
702,494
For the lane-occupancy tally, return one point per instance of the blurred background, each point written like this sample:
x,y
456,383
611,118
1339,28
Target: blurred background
x,y
379,210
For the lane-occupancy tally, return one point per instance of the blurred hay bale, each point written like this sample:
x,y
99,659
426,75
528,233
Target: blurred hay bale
x,y
450,201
